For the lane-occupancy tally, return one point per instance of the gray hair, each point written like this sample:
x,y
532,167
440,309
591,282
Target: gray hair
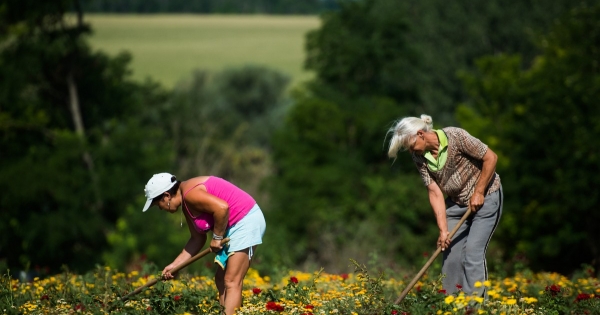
x,y
404,129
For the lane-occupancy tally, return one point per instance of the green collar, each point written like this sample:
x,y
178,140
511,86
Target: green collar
x,y
433,164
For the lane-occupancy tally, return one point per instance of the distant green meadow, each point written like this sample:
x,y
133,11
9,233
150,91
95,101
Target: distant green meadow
x,y
168,48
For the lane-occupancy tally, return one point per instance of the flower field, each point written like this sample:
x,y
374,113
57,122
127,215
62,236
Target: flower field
x,y
299,293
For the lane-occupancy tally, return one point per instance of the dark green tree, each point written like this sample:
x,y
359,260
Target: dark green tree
x,y
336,196
334,193
76,135
210,6
382,59
545,119
362,49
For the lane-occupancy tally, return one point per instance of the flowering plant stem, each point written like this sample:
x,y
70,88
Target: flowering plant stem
x,y
175,270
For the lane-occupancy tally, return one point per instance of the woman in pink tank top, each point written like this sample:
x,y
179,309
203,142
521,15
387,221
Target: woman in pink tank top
x,y
212,204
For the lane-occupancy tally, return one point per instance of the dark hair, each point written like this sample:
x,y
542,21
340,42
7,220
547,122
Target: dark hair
x,y
172,191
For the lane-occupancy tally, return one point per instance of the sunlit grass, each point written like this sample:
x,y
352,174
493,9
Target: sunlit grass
x,y
168,47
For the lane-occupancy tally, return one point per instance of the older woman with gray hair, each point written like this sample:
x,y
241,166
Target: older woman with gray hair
x,y
454,163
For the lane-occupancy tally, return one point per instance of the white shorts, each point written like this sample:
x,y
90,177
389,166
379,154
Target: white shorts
x,y
247,232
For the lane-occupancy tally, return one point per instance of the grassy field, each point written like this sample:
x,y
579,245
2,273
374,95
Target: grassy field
x,y
168,47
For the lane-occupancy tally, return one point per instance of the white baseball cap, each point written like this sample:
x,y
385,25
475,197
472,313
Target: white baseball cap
x,y
157,185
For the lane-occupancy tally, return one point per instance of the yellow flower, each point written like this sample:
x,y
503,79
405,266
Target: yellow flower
x,y
530,300
477,284
487,283
479,299
511,301
449,299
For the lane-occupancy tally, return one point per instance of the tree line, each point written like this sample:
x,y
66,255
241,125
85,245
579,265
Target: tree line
x,y
210,6
80,138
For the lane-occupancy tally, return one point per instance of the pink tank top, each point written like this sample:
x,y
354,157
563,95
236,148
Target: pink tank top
x,y
239,201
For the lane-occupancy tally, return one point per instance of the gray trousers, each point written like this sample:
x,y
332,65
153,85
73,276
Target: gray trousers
x,y
464,262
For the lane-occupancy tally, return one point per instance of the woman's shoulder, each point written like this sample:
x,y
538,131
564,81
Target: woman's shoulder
x,y
455,133
193,182
453,130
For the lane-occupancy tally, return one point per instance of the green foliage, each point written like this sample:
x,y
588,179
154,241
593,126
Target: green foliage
x,y
64,183
363,49
72,191
374,288
210,6
333,153
450,37
220,125
374,60
368,74
546,119
102,291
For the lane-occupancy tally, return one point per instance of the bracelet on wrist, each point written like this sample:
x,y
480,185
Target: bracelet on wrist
x,y
217,237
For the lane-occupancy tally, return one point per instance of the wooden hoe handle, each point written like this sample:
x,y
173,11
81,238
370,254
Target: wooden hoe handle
x,y
431,259
174,270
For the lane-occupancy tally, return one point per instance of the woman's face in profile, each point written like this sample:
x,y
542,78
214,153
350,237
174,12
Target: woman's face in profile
x,y
417,144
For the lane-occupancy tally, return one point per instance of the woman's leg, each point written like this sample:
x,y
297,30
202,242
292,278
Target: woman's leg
x,y
452,266
483,226
231,280
220,283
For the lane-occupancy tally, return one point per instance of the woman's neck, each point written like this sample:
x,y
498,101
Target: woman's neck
x,y
432,142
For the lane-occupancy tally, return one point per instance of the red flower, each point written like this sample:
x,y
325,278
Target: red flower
x,y
590,272
45,297
256,291
344,276
442,291
553,289
418,288
294,279
177,298
272,306
458,286
149,308
309,307
79,307
425,254
582,297
394,312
